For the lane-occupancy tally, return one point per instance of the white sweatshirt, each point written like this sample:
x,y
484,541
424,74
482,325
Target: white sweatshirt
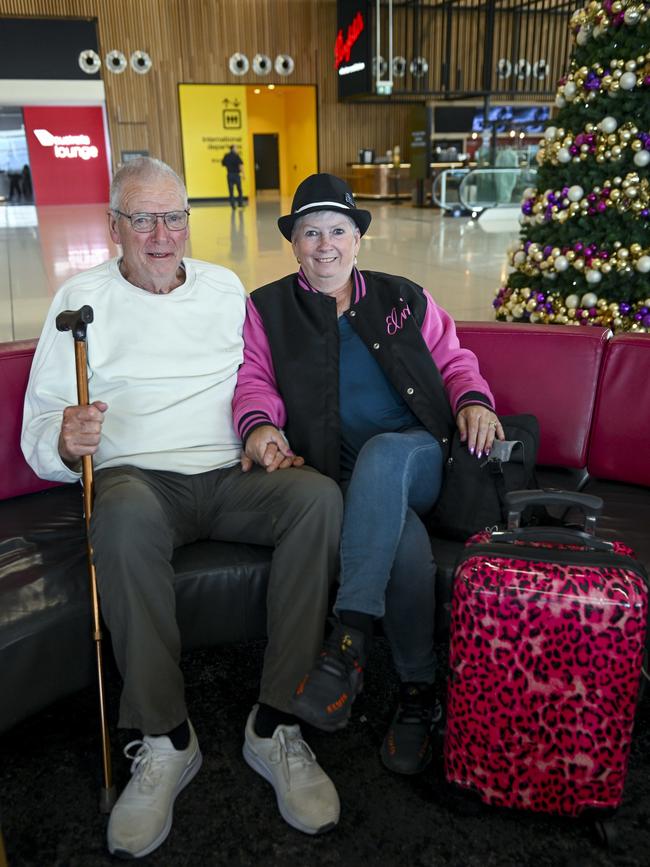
x,y
166,365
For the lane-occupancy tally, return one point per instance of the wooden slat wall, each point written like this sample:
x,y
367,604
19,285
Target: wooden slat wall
x,y
191,41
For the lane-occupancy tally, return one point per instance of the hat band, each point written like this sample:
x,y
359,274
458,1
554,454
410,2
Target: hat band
x,y
322,204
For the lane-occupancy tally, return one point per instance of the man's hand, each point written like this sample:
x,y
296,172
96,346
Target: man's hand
x,y
81,431
267,447
478,427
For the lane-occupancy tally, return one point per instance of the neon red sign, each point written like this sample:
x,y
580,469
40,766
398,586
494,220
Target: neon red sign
x,y
342,47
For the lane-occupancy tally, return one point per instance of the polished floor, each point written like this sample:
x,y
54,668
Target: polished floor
x,y
455,258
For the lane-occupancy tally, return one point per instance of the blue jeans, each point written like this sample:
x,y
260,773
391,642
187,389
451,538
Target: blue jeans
x,y
387,568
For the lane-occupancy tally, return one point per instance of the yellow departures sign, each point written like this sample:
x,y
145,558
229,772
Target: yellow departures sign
x,y
213,117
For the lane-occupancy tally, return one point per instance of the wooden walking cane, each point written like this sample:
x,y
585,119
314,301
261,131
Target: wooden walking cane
x,y
76,322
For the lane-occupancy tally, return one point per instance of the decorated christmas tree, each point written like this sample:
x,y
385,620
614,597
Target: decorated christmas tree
x,y
584,254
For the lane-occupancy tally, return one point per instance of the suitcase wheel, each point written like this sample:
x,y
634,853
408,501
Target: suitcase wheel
x,y
608,835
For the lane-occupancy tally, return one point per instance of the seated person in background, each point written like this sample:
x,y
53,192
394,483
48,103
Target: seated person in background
x,y
164,351
364,374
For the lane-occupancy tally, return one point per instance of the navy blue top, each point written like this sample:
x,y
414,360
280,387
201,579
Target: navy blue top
x,y
368,403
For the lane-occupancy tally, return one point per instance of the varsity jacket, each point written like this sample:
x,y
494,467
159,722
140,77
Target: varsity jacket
x,y
290,374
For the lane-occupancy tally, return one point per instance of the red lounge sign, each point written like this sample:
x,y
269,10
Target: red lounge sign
x,y
67,154
342,47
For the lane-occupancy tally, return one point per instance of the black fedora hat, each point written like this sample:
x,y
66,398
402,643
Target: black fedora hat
x,y
323,192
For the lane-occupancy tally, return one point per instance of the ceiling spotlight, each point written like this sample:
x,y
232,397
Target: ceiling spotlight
x,y
284,64
522,69
504,68
419,67
262,64
540,68
399,67
89,61
115,61
238,64
379,67
140,62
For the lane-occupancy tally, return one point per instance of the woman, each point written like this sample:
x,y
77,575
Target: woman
x,y
361,375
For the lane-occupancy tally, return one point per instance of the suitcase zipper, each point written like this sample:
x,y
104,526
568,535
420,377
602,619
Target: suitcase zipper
x,y
578,558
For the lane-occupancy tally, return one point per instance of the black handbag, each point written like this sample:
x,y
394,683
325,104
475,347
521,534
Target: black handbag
x,y
472,497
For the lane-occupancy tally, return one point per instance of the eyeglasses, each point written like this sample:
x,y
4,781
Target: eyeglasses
x,y
175,221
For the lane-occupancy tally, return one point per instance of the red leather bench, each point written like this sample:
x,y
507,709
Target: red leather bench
x,y
591,395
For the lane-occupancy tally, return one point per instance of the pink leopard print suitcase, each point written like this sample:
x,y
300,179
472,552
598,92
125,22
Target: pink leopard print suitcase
x,y
548,632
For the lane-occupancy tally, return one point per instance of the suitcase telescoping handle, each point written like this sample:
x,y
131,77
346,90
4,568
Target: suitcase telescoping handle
x,y
590,505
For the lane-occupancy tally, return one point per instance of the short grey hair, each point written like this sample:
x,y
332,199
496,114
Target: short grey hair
x,y
300,220
139,170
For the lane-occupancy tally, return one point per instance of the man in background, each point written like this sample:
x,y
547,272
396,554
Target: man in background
x,y
233,163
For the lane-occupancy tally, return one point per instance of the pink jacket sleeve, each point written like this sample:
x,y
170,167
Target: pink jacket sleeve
x,y
256,400
459,367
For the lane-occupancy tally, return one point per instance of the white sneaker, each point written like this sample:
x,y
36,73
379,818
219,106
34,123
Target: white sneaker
x,y
306,796
142,817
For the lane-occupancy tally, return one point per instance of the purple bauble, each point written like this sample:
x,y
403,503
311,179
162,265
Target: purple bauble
x,y
646,321
578,246
601,207
624,308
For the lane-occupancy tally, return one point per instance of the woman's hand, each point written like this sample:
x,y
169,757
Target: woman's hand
x,y
478,427
268,447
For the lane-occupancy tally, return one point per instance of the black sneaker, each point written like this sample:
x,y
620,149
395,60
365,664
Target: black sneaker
x,y
407,747
324,696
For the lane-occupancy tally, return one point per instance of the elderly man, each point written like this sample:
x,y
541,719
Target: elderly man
x,y
163,360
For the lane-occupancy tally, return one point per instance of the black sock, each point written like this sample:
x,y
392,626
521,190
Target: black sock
x,y
269,718
358,620
180,736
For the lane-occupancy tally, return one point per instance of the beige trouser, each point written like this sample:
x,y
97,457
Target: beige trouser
x,y
140,516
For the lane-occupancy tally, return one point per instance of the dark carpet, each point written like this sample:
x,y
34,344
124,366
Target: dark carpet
x,y
228,816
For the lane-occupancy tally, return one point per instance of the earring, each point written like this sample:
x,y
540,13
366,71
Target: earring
x,y
297,260
355,261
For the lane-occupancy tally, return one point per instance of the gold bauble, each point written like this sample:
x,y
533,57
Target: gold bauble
x,y
570,254
612,139
579,264
635,249
605,267
636,145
